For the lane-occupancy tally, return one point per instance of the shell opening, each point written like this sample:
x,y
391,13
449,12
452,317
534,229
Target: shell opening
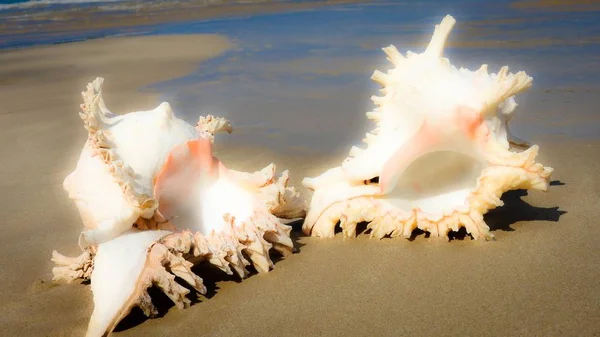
x,y
204,208
195,191
436,189
224,197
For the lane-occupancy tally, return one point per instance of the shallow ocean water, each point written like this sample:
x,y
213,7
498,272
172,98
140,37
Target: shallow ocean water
x,y
299,81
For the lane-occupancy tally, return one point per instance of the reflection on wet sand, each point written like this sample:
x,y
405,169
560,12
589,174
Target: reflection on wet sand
x,y
140,13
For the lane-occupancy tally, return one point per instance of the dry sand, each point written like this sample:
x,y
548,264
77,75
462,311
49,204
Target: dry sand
x,y
540,278
41,137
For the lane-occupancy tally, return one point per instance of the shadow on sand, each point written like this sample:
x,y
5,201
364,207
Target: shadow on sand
x,y
515,209
211,277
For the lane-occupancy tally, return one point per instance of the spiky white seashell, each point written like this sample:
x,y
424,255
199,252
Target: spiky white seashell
x,y
154,201
440,156
112,185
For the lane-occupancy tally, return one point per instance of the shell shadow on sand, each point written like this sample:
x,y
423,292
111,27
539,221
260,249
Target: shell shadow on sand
x,y
211,277
515,210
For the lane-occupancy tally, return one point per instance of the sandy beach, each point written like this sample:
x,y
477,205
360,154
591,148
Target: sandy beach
x,y
42,136
539,278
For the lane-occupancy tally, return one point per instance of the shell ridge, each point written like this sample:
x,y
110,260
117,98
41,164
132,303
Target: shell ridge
x,y
95,116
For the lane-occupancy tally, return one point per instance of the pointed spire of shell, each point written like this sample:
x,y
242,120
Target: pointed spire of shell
x,y
505,85
440,36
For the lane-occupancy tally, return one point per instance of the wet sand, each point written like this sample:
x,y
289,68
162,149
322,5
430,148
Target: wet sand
x,y
126,15
540,278
557,5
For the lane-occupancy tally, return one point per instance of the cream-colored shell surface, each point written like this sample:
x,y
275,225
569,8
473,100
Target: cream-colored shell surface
x,y
112,184
134,166
441,154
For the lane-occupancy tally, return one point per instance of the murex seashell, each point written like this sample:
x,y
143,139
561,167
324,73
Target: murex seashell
x,y
154,202
440,157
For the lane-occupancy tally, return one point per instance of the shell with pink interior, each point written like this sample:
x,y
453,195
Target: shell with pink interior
x,y
154,202
441,154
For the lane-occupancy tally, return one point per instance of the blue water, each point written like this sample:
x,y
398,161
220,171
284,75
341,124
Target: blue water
x,y
258,82
294,68
20,4
8,2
